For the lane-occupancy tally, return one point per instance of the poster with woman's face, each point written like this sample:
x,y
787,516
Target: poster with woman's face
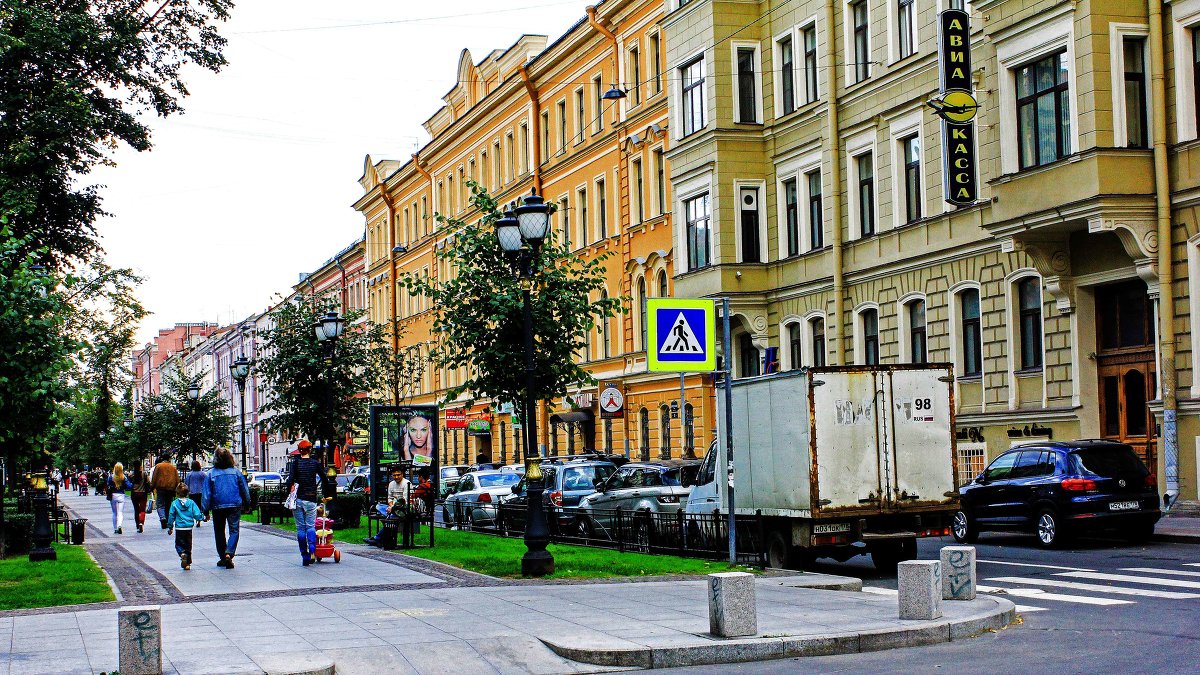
x,y
405,434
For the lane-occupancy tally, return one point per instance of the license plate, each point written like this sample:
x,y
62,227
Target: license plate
x,y
831,527
1122,506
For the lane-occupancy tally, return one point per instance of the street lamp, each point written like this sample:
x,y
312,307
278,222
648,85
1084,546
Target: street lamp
x,y
193,392
520,233
240,369
329,327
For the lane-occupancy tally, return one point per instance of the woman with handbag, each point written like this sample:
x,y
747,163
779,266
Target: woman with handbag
x,y
116,486
138,495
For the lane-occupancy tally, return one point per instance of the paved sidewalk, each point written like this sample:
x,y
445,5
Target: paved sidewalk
x,y
1178,528
358,617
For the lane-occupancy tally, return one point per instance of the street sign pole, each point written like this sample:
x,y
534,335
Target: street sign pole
x,y
683,415
727,346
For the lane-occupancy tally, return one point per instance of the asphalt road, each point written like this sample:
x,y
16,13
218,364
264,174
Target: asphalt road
x,y
1096,607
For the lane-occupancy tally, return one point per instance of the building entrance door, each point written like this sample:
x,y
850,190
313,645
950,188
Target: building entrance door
x,y
1126,366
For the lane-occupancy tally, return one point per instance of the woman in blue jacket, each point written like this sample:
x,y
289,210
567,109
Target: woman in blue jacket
x,y
225,497
197,482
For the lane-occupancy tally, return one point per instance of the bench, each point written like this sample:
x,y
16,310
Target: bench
x,y
270,504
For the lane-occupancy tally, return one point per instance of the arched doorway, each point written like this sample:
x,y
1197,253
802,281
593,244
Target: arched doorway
x,y
1125,365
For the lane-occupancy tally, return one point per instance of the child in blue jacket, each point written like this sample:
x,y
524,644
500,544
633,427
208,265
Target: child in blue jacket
x,y
183,516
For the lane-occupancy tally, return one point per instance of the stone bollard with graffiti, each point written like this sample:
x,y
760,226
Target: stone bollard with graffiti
x,y
958,573
139,631
731,607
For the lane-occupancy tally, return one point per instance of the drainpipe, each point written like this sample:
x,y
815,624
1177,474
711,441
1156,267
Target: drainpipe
x,y
1166,276
623,205
833,134
338,262
535,127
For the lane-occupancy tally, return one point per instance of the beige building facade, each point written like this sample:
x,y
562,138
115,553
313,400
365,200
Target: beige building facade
x,y
808,186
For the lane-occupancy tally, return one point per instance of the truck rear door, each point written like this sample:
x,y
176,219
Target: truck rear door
x,y
845,441
919,437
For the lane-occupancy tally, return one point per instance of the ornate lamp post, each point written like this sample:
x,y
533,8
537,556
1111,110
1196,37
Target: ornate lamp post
x,y
329,327
240,369
42,534
521,234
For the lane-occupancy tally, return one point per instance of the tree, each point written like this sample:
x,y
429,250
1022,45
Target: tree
x,y
171,423
74,76
479,311
318,395
399,370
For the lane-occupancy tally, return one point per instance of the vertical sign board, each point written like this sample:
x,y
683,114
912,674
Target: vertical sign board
x,y
957,108
403,435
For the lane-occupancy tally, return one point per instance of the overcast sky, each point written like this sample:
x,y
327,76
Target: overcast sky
x,y
253,184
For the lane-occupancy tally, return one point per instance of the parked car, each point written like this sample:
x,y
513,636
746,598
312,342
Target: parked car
x,y
450,475
1060,489
473,499
359,484
566,485
637,487
360,471
343,481
261,478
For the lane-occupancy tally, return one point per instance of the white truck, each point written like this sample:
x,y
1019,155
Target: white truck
x,y
839,461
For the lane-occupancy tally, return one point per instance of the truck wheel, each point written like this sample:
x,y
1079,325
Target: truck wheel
x,y
777,550
963,529
886,555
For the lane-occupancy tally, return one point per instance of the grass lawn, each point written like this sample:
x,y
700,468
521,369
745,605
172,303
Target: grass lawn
x,y
71,580
501,556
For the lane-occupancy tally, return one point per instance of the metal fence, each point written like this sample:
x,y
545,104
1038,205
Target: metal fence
x,y
688,535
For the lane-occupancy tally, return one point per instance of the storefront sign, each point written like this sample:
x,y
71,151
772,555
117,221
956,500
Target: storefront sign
x,y
612,402
957,108
479,428
456,418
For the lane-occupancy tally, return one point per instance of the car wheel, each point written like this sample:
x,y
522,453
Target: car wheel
x,y
886,555
585,527
1049,530
777,549
1140,533
963,528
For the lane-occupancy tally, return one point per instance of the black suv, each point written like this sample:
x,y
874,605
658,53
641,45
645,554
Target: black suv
x,y
1058,489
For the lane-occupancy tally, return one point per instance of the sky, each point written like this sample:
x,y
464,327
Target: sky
x,y
253,184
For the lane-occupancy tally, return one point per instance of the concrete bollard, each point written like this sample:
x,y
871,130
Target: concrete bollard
x,y
139,632
731,607
919,582
958,573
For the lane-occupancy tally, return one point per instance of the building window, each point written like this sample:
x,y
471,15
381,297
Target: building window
x,y
605,336
644,424
791,216
972,337
581,200
635,68
751,236
598,101
1196,71
564,209
602,210
747,91
692,76
904,25
862,42
864,165
1043,111
748,361
664,431
910,151
868,321
816,225
696,216
545,149
795,338
525,149
808,37
1029,295
816,327
917,349
787,75
660,171
580,116
510,158
689,430
662,285
1136,132
639,195
656,65
562,126
642,311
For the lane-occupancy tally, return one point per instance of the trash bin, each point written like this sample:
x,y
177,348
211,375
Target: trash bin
x,y
77,530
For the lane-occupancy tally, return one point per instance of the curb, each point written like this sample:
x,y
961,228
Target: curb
x,y
313,663
765,649
1176,538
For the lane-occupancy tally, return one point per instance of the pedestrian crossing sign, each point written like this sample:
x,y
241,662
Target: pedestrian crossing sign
x,y
682,335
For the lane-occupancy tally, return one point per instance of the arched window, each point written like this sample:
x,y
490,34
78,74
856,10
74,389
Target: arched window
x,y
664,429
868,325
816,328
749,363
662,284
970,333
917,343
1029,294
644,424
795,343
689,430
642,310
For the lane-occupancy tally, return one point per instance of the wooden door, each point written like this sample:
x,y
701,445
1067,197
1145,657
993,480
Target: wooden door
x,y
1126,366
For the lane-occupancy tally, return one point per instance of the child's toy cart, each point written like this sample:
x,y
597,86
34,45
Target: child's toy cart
x,y
325,547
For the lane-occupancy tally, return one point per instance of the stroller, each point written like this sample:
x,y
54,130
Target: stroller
x,y
325,547
83,485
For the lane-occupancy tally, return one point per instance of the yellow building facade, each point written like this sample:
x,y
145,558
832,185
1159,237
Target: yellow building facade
x,y
533,117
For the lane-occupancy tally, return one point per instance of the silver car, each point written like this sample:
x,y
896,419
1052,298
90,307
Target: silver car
x,y
637,488
473,499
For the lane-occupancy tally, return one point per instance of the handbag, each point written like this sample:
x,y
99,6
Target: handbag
x,y
290,502
150,503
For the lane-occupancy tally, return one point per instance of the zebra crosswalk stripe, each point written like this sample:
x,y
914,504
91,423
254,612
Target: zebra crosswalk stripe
x,y
1152,581
1097,588
1039,594
1026,609
1161,570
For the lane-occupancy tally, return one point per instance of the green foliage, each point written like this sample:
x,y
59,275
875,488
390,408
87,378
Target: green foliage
x,y
479,311
74,77
315,395
18,532
172,423
399,371
73,579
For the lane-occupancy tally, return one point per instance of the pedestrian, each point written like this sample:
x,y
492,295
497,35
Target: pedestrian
x,y
67,480
164,478
197,482
306,478
225,495
117,485
181,517
398,493
138,495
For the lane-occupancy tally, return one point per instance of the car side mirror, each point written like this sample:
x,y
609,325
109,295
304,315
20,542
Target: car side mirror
x,y
981,479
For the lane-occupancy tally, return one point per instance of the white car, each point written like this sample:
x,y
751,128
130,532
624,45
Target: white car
x,y
261,478
474,498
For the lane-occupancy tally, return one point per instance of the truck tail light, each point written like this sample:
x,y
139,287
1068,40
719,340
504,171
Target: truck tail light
x,y
830,539
935,532
1079,484
556,498
485,498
